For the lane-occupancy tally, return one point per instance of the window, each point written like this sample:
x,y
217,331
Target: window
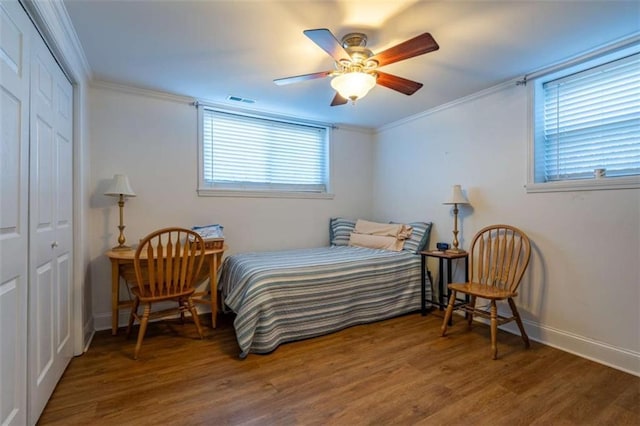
x,y
247,155
587,117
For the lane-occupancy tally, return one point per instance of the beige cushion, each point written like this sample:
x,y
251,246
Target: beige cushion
x,y
376,241
395,230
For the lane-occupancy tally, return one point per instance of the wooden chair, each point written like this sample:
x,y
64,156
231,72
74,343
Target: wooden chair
x,y
498,259
167,264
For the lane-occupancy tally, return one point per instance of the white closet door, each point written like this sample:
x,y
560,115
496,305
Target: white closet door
x,y
15,30
50,223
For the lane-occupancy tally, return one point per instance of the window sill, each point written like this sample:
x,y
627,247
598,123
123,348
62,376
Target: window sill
x,y
208,192
627,182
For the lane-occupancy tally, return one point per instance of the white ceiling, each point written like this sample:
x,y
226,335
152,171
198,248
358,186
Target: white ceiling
x,y
211,49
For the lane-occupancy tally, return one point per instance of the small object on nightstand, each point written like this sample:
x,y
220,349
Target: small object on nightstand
x,y
442,246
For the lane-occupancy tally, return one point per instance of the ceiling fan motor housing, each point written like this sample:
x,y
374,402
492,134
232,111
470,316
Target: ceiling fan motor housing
x,y
355,45
354,40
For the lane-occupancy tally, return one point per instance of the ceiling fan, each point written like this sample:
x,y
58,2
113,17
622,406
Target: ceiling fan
x,y
356,67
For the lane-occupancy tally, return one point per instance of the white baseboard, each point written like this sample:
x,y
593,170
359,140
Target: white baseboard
x,y
102,321
88,330
88,341
603,353
600,352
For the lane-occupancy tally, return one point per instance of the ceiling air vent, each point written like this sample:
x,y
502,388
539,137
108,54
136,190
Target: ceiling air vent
x,y
239,99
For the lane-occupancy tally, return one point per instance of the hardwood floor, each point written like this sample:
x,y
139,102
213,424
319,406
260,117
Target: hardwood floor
x,y
394,372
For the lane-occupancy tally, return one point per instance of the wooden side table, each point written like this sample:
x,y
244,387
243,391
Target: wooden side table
x,y
442,256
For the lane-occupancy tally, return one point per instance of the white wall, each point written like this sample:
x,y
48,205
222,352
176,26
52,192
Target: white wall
x,y
581,292
152,138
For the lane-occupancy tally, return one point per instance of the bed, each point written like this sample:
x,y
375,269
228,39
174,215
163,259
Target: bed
x,y
284,296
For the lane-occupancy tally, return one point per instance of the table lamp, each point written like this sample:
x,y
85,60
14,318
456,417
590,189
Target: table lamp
x,y
120,188
457,197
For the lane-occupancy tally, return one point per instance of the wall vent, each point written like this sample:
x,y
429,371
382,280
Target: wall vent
x,y
239,99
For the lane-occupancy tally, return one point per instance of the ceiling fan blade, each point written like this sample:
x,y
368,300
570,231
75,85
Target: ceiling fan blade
x,y
327,42
338,100
303,77
416,46
402,85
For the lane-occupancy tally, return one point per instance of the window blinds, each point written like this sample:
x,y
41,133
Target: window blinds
x,y
245,152
592,120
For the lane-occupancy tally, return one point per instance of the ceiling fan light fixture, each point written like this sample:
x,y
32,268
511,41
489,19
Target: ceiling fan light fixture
x,y
353,85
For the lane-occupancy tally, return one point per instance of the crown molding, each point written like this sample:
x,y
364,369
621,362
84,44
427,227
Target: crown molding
x,y
139,91
54,25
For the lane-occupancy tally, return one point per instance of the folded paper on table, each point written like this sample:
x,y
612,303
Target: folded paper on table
x,y
209,231
212,235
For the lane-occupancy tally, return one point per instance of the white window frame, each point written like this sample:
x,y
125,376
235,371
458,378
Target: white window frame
x,y
536,98
229,190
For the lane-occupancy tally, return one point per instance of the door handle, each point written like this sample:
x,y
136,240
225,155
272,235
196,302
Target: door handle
x,y
54,244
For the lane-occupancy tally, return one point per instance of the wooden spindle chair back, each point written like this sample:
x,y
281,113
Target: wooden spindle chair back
x,y
499,257
174,258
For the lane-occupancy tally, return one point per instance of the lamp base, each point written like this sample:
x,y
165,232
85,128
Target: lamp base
x,y
455,251
121,248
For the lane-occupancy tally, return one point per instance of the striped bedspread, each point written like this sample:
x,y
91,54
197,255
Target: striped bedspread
x,y
291,295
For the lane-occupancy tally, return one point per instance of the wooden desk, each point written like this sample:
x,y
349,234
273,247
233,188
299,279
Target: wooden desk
x,y
122,266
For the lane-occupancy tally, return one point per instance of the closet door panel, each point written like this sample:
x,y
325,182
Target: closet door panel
x,y
51,235
42,237
42,176
64,214
64,173
15,29
42,288
63,304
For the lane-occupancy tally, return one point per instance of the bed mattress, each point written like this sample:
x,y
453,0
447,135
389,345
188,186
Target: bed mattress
x,y
291,295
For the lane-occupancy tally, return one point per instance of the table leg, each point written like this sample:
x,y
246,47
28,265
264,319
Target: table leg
x,y
466,280
449,291
466,269
448,278
213,288
423,292
440,284
115,295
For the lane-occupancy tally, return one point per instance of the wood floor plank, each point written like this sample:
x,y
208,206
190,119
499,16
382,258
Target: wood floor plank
x,y
395,372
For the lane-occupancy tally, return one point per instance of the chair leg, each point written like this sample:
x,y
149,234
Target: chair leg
x,y
194,314
472,305
182,309
132,315
143,329
516,314
448,313
494,330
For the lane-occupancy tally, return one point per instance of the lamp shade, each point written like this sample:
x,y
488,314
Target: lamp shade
x,y
353,85
457,197
120,186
